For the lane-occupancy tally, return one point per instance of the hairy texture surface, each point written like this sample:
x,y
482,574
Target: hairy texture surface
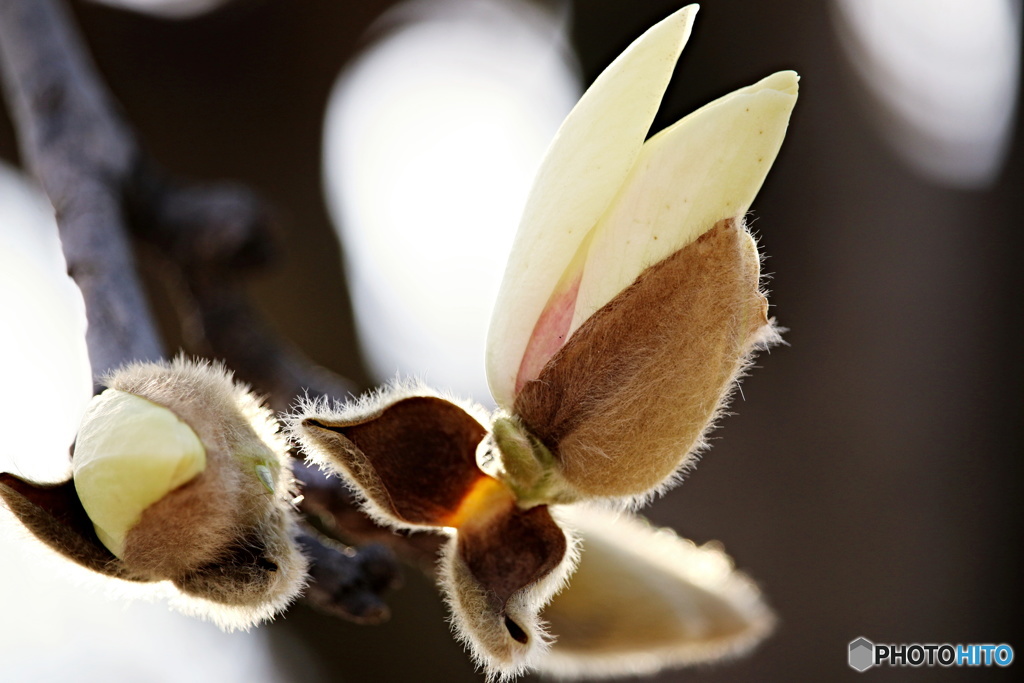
x,y
513,550
632,393
54,515
222,537
643,599
412,459
415,460
505,637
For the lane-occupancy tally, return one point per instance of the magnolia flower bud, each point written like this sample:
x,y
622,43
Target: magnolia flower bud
x,y
180,475
629,308
631,299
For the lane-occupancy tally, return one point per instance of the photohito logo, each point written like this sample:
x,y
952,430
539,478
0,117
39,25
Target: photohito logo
x,y
864,654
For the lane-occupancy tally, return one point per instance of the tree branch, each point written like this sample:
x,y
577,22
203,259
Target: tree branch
x,y
348,584
80,151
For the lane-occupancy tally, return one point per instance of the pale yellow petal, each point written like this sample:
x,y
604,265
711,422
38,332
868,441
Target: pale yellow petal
x,y
707,167
588,161
129,454
643,599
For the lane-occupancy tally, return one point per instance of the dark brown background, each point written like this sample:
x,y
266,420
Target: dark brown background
x,y
871,479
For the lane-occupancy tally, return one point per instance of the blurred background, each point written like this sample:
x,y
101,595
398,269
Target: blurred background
x,y
870,478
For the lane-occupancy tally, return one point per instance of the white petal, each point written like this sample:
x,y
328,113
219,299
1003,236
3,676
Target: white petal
x,y
591,156
707,167
643,599
129,454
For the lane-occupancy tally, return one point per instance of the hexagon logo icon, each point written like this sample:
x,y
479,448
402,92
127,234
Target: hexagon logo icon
x,y
862,654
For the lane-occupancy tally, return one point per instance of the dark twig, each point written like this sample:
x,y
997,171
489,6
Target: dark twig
x,y
347,583
80,150
103,187
337,513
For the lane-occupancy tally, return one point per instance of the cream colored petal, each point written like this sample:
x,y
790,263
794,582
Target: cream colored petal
x,y
707,167
643,599
129,454
589,159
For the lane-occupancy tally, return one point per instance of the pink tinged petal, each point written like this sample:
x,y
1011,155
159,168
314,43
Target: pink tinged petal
x,y
551,332
705,168
588,161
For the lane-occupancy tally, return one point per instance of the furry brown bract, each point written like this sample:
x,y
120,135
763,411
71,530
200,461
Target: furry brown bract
x,y
641,598
373,452
627,400
224,538
411,457
54,515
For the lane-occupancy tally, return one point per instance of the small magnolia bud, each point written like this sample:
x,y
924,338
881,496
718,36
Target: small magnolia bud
x,y
129,454
180,475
